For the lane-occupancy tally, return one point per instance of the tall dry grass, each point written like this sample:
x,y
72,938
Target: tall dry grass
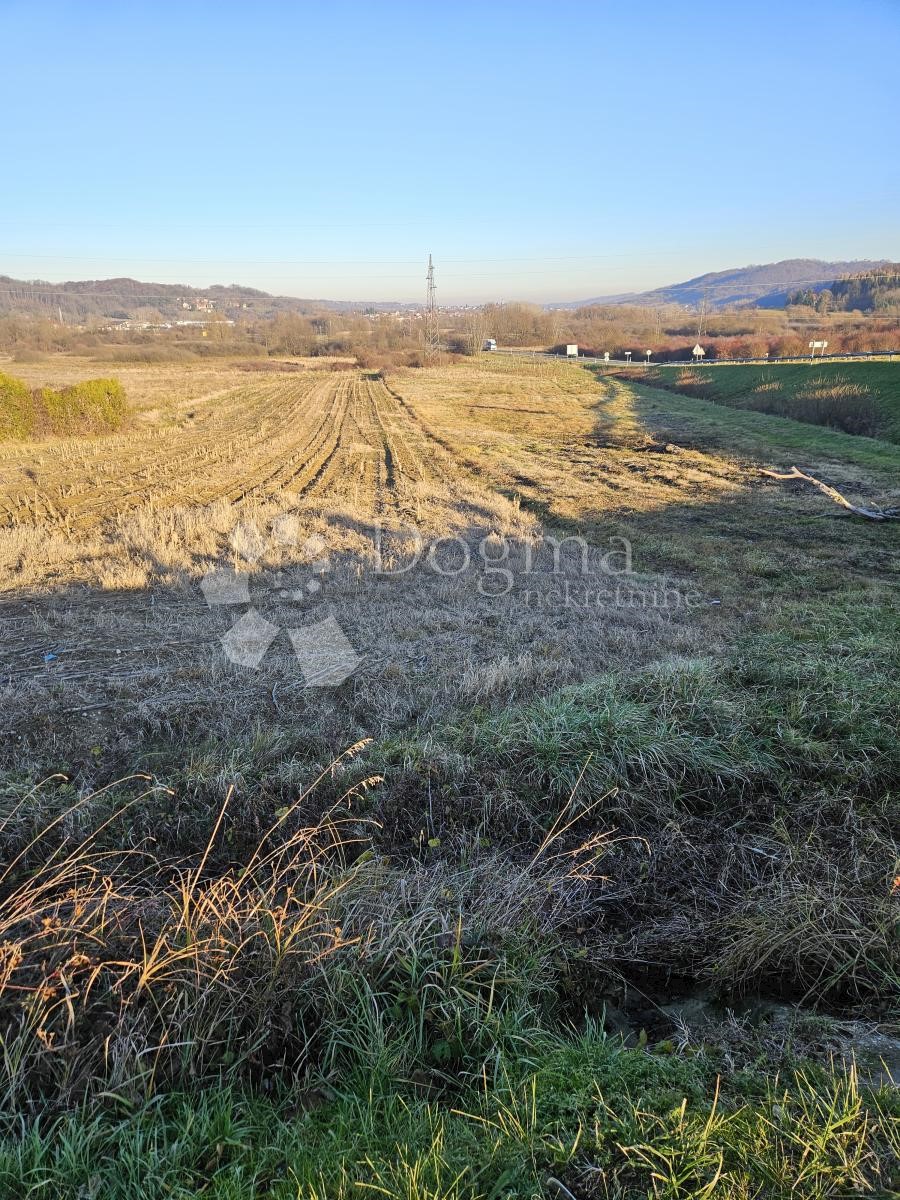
x,y
120,969
123,971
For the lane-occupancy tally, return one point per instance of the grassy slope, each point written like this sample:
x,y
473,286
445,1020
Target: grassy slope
x,y
773,736
764,436
815,393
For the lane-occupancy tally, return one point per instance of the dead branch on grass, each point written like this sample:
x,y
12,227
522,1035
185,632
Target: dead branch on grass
x,y
872,514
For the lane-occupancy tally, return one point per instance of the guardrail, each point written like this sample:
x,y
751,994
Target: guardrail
x,y
689,362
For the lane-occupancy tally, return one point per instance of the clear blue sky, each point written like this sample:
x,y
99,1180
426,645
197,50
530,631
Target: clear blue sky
x,y
539,150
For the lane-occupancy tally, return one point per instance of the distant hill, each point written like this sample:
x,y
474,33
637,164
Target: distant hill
x,y
86,299
766,286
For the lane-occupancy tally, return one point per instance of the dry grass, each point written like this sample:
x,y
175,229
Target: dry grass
x,y
113,659
126,970
129,526
569,797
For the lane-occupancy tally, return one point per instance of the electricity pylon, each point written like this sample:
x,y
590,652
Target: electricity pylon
x,y
431,329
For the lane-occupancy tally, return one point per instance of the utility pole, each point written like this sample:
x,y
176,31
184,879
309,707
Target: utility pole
x,y
704,308
431,329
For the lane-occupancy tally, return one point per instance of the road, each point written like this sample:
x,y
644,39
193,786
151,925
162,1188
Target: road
x,y
875,355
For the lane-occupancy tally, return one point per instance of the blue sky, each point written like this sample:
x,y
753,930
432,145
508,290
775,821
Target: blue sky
x,y
539,150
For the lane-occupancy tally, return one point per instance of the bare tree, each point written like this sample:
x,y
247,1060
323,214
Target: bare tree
x,y
475,328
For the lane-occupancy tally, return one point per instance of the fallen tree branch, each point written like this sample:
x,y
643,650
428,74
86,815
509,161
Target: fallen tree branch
x,y
872,514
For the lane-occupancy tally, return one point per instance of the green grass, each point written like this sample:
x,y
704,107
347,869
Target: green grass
x,y
858,398
708,727
721,787
765,437
727,819
572,1110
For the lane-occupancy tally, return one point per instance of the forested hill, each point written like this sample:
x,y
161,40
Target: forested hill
x,y
867,291
82,300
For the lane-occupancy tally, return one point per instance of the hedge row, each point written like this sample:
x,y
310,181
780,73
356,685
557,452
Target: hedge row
x,y
93,406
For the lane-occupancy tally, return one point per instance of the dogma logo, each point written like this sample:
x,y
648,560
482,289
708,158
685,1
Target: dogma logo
x,y
323,651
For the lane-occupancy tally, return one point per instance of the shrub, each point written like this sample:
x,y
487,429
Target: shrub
x,y
92,406
145,354
16,409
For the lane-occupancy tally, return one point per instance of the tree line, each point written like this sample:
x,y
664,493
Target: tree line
x,y
383,339
868,292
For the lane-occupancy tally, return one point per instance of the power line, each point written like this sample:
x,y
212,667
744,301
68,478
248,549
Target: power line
x,y
350,262
26,289
60,289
